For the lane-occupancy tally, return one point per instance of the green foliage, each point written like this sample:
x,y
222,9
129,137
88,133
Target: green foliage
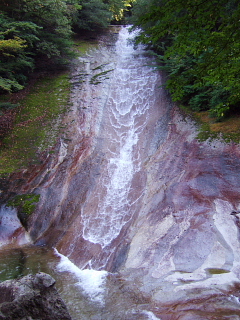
x,y
36,124
52,16
16,40
97,14
94,14
33,32
119,8
7,106
9,85
26,203
198,43
38,33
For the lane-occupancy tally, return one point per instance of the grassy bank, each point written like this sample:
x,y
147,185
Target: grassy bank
x,y
228,129
36,123
37,120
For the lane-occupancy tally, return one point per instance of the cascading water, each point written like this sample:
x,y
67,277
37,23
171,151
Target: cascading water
x,y
138,209
114,198
111,205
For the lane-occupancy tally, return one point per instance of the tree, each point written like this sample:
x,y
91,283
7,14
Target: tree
x,y
37,33
33,32
94,14
199,43
97,14
118,8
16,39
54,19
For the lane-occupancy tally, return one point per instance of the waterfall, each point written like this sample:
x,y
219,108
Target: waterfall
x,y
126,116
138,209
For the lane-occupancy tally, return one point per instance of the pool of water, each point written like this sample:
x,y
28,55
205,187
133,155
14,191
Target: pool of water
x,y
88,294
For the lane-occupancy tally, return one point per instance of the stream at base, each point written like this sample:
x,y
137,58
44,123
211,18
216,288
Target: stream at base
x,y
135,213
88,294
122,73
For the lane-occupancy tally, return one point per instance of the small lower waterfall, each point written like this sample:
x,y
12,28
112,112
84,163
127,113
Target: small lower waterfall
x,y
134,219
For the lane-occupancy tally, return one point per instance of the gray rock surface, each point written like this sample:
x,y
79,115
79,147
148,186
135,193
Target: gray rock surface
x,y
133,190
33,297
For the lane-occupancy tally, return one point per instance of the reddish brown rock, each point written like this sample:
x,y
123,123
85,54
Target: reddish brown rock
x,y
171,235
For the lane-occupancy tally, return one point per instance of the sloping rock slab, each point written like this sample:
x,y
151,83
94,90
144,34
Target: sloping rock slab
x,y
33,297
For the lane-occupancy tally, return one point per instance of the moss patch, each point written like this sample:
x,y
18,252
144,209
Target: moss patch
x,y
227,129
82,45
36,123
26,203
98,78
217,270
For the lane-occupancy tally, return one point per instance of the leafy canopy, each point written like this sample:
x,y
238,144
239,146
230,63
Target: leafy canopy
x,y
199,43
37,33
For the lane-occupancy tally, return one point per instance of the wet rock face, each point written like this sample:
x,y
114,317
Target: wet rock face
x,y
12,232
31,297
184,247
134,191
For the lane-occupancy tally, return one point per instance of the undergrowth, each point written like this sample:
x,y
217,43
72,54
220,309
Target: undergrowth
x,y
209,128
227,129
82,46
36,123
26,203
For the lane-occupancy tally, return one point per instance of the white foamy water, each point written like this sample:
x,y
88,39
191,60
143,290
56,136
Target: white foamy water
x,y
151,315
110,207
92,282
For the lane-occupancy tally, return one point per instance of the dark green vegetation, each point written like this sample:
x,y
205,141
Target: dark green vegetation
x,y
25,205
38,33
25,202
38,39
36,122
197,42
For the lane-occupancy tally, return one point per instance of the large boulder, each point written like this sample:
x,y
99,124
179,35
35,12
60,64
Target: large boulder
x,y
33,297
